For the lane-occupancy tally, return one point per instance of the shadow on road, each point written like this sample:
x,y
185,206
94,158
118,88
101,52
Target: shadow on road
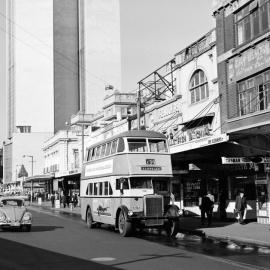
x,y
18,256
35,229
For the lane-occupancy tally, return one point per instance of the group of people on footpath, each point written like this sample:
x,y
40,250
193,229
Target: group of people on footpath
x,y
206,205
66,200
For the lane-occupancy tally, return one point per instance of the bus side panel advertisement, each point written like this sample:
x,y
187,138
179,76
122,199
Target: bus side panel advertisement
x,y
104,167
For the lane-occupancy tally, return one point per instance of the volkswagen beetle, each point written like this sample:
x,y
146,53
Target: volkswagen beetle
x,y
14,214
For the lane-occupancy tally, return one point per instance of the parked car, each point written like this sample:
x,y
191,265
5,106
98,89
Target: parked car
x,y
14,214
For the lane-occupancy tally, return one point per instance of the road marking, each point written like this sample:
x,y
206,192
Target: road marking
x,y
103,259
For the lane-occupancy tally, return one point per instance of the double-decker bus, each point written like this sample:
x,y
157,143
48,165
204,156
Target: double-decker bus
x,y
125,183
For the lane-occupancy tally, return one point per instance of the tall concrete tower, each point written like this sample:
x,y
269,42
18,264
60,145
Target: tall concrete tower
x,y
59,55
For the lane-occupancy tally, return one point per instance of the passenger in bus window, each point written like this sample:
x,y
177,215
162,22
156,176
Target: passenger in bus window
x,y
125,183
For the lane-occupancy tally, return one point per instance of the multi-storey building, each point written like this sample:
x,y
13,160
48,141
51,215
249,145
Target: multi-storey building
x,y
65,150
28,87
52,70
243,58
186,107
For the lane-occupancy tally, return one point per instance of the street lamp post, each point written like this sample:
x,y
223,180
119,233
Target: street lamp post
x,y
67,125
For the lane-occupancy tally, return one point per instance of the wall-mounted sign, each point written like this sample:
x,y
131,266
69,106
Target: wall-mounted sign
x,y
249,62
206,141
167,111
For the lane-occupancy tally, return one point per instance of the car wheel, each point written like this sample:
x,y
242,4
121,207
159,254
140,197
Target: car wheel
x,y
89,219
26,228
125,227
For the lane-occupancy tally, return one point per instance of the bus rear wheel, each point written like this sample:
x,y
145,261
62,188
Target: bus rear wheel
x,y
89,219
125,227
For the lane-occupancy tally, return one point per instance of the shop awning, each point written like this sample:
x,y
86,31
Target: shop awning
x,y
38,178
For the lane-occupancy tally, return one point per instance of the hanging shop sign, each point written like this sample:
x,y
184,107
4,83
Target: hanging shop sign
x,y
244,160
235,160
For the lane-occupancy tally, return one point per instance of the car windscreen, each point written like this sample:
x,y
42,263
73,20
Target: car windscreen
x,y
140,182
12,203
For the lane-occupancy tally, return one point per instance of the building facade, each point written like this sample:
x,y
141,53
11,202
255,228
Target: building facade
x,y
64,152
28,77
243,58
54,66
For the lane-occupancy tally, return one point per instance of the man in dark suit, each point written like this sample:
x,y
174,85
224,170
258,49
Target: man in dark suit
x,y
240,206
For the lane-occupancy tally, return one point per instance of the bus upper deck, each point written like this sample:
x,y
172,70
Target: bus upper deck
x,y
129,153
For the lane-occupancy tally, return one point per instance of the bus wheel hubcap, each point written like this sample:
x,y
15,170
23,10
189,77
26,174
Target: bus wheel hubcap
x,y
121,222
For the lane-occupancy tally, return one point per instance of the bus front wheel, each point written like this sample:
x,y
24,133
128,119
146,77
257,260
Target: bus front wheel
x,y
89,219
125,227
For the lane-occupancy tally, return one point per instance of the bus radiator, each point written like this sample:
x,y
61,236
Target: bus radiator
x,y
153,207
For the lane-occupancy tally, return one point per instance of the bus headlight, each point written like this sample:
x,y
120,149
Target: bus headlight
x,y
130,213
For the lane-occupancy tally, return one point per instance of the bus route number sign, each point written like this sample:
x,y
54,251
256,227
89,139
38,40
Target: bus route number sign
x,y
150,161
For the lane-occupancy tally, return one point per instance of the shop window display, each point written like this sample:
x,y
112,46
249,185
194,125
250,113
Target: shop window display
x,y
245,183
192,192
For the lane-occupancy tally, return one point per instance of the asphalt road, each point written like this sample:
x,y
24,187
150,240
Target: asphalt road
x,y
64,242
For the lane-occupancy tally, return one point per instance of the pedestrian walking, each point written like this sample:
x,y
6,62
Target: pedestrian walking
x,y
75,200
64,200
206,206
53,200
240,206
222,206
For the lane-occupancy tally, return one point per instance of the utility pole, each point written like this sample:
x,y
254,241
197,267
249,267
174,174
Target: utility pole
x,y
138,110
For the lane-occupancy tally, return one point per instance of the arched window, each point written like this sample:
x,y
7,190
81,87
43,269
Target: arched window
x,y
198,86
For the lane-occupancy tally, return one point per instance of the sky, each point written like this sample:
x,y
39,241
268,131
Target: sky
x,y
152,31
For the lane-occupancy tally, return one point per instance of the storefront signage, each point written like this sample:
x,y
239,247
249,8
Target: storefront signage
x,y
190,135
243,160
166,111
249,62
261,182
235,160
206,141
104,167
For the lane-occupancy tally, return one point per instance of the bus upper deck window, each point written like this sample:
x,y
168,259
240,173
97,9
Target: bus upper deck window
x,y
137,145
102,152
157,145
93,153
114,145
98,152
121,145
108,148
89,153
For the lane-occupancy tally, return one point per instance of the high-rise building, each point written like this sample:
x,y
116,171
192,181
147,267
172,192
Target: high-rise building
x,y
59,55
28,81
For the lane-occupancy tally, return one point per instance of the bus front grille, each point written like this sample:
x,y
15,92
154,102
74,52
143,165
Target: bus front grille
x,y
153,207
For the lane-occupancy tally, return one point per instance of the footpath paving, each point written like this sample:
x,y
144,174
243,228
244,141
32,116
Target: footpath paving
x,y
252,233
